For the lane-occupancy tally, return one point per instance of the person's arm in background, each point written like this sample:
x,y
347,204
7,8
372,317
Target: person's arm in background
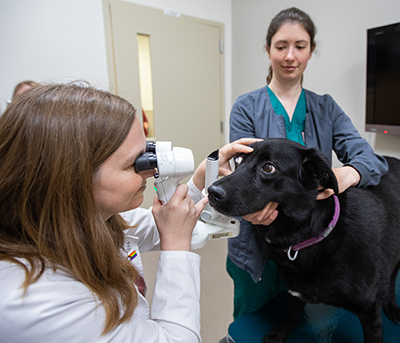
x,y
354,151
362,167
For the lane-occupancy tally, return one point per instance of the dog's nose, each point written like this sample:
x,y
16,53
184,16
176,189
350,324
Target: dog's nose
x,y
216,193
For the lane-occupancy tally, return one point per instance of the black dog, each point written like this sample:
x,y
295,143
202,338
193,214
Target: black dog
x,y
348,260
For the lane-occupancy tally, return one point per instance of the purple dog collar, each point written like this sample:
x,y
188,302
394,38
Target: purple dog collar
x,y
312,241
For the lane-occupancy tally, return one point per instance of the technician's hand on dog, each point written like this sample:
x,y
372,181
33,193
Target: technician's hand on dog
x,y
346,177
264,217
176,219
224,154
230,150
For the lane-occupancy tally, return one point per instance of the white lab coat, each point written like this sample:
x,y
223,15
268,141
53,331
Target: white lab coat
x,y
59,309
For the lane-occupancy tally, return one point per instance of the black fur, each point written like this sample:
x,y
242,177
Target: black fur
x,y
356,266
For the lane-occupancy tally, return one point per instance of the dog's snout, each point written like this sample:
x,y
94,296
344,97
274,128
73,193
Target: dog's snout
x,y
216,193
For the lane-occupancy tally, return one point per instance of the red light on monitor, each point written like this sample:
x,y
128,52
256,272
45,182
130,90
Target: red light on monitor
x,y
385,132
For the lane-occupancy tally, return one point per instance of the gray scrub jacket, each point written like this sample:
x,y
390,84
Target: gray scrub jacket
x,y
327,128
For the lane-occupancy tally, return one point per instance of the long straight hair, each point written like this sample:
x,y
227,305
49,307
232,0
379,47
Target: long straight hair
x,y
52,139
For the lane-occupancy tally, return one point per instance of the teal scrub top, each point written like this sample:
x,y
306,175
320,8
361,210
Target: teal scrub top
x,y
295,127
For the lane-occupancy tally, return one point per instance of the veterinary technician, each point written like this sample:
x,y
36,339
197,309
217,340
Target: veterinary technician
x,y
68,259
284,109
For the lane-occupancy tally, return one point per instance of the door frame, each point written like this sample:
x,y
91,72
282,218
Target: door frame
x,y
111,64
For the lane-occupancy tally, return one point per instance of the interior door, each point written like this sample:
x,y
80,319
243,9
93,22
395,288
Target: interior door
x,y
187,64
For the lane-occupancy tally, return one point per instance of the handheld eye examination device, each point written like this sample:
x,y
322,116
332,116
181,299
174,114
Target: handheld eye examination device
x,y
173,165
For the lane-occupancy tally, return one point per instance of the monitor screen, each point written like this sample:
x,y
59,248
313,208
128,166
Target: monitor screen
x,y
383,80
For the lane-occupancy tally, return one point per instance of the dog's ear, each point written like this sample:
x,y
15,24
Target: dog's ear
x,y
315,169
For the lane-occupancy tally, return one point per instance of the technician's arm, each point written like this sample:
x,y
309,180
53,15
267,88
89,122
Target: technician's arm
x,y
354,151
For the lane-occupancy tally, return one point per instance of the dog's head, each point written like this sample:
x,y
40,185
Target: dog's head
x,y
277,170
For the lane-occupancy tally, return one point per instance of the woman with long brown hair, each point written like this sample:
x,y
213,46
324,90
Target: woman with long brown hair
x,y
68,259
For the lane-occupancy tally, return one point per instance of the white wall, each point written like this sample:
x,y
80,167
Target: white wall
x,y
338,67
48,40
61,40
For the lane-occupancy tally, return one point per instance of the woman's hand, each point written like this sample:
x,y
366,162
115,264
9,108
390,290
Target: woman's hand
x,y
264,217
176,219
346,177
230,150
225,154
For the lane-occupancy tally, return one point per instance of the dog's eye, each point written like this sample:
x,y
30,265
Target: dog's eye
x,y
269,168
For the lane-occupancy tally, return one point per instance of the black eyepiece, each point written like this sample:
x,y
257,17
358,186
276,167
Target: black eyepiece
x,y
146,161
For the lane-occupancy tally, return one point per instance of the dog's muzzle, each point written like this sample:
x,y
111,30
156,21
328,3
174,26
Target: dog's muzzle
x,y
216,194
